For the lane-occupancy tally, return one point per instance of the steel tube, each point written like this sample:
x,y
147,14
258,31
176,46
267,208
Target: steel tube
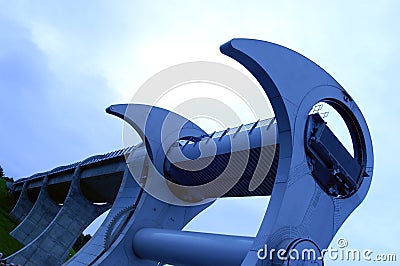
x,y
190,248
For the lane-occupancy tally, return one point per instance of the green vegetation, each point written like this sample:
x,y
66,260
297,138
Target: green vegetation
x,y
8,244
80,242
70,254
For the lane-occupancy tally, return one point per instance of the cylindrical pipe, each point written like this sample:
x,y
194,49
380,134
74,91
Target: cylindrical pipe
x,y
256,149
190,248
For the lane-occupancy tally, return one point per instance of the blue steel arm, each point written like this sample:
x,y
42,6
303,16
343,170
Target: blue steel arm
x,y
299,209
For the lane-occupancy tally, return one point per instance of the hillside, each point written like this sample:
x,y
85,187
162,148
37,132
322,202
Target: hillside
x,y
8,244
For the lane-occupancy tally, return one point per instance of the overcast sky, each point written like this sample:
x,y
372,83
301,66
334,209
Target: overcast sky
x,y
63,62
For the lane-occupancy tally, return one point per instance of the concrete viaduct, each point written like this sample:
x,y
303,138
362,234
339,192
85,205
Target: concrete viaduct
x,y
55,207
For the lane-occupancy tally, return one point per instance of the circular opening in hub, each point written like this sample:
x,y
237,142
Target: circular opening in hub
x,y
334,148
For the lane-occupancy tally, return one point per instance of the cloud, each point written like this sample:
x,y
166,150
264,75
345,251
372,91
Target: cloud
x,y
48,107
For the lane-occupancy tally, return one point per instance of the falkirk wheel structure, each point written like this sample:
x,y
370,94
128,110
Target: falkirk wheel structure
x,y
155,188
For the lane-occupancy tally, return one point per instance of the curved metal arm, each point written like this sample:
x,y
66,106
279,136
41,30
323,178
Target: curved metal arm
x,y
158,128
299,208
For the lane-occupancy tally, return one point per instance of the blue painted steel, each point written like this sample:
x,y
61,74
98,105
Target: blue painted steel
x,y
150,122
299,208
190,248
219,163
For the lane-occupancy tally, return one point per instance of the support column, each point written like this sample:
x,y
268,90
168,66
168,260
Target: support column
x,y
39,217
23,205
52,246
124,202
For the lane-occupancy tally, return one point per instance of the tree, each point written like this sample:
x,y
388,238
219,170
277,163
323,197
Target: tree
x,y
1,172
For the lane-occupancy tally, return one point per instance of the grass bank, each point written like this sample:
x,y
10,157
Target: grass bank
x,y
8,244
